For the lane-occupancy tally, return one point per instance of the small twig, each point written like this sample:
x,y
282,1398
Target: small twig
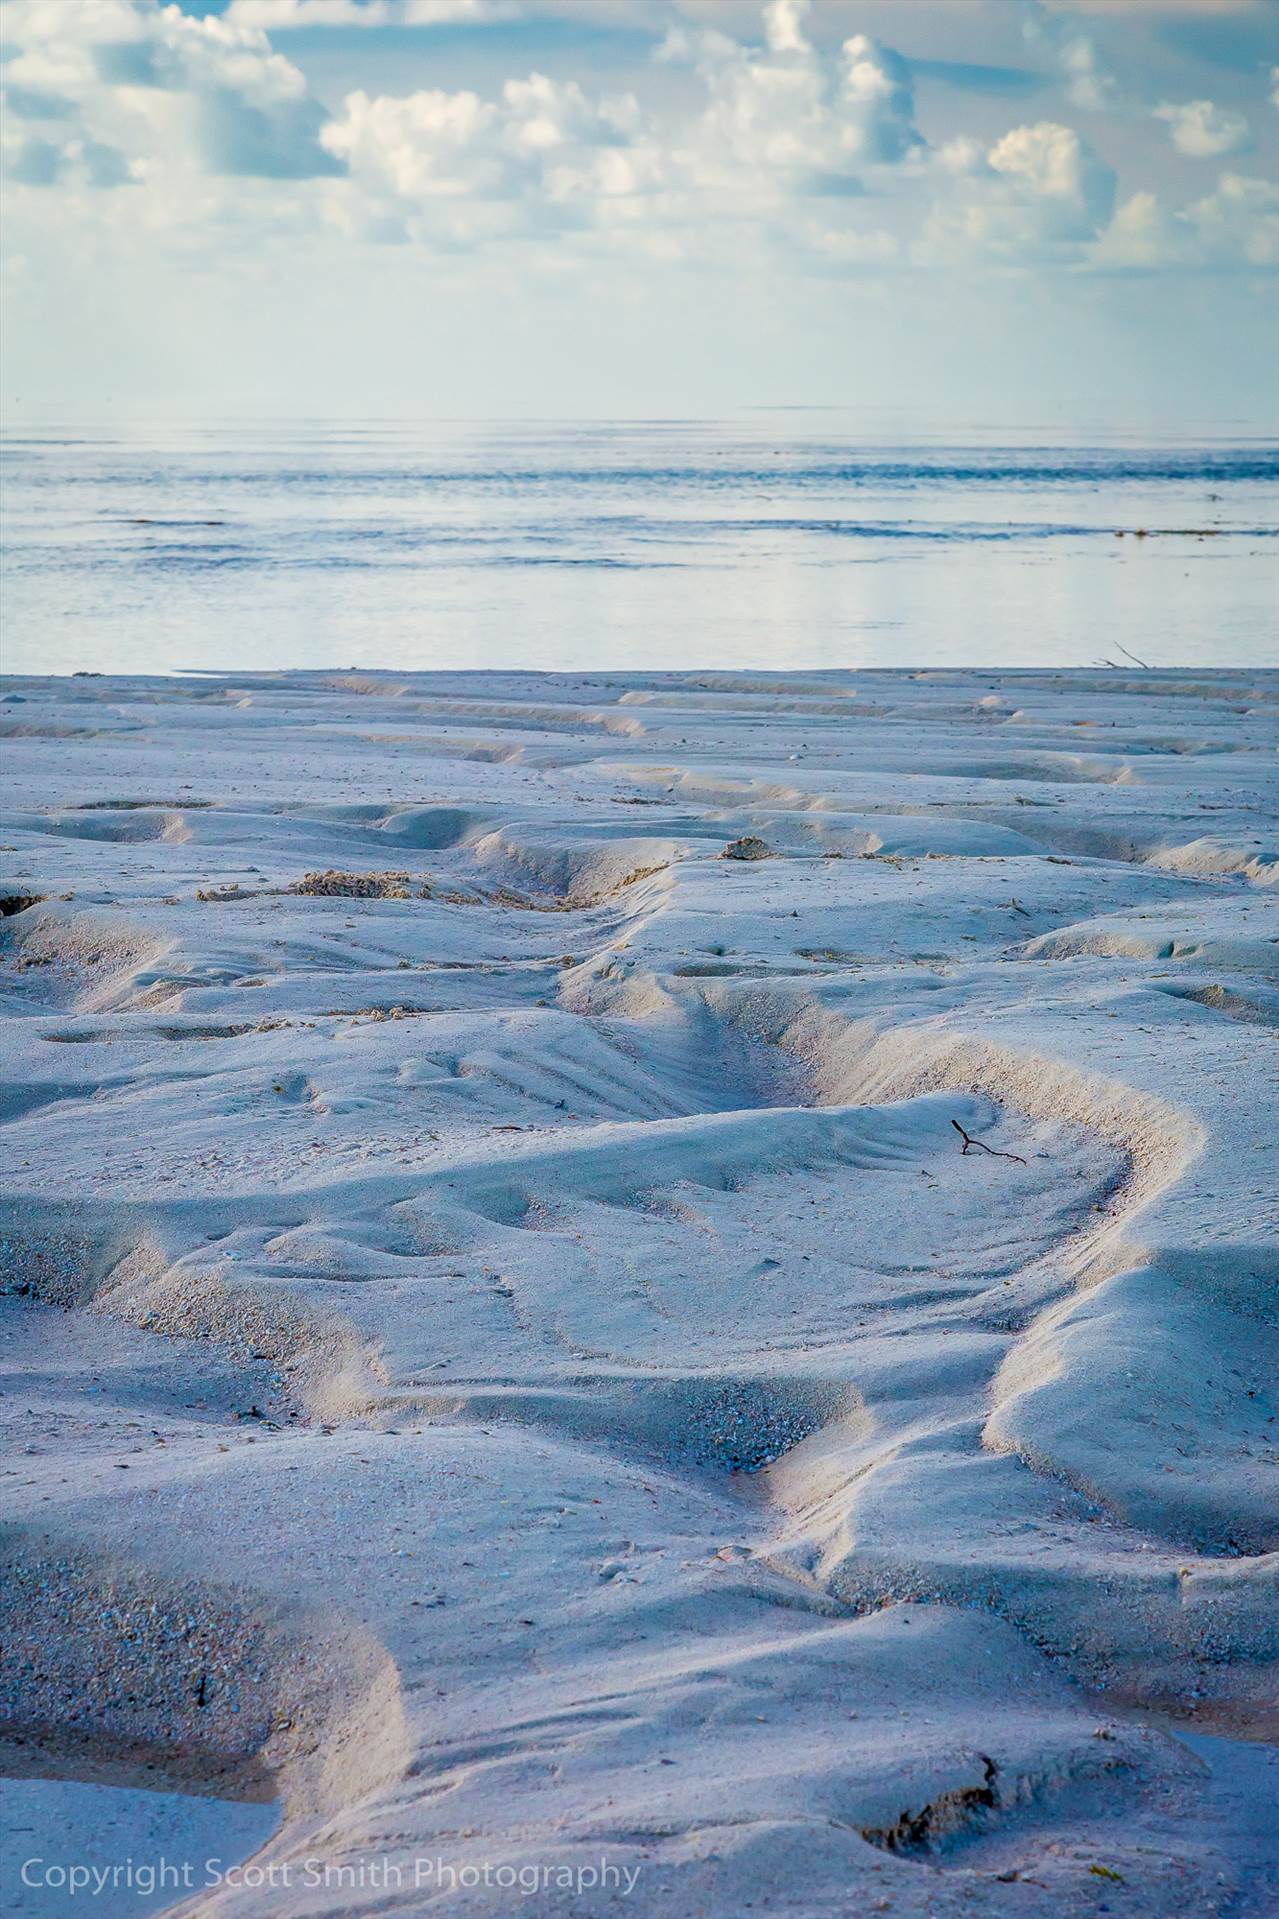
x,y
1132,657
980,1144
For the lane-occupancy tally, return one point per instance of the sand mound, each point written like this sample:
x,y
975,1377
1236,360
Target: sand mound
x,y
117,1671
573,873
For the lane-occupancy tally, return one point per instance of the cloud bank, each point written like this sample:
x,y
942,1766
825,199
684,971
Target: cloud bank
x,y
810,150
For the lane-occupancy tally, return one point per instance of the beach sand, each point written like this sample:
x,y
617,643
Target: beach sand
x,y
514,1370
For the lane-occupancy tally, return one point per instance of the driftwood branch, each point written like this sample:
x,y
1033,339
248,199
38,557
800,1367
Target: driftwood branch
x,y
1107,661
980,1146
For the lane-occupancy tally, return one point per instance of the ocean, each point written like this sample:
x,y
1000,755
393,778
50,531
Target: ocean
x,y
767,541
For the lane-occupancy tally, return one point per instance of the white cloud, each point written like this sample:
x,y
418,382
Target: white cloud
x,y
291,15
209,90
460,169
1203,131
420,146
783,26
1089,83
783,119
1038,191
878,102
1239,223
1234,229
1054,165
1141,234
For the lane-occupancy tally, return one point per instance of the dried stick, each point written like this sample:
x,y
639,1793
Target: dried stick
x,y
980,1144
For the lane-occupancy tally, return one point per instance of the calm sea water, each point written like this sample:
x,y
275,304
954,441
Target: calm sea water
x,y
765,542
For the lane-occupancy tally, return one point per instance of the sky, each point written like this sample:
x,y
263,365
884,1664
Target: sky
x,y
937,216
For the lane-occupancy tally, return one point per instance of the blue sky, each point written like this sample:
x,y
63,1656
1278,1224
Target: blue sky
x,y
943,214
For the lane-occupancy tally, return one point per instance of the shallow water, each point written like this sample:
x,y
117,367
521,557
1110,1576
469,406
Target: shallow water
x,y
151,1849
757,543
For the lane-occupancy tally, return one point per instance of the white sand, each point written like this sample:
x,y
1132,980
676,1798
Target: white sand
x,y
521,1370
